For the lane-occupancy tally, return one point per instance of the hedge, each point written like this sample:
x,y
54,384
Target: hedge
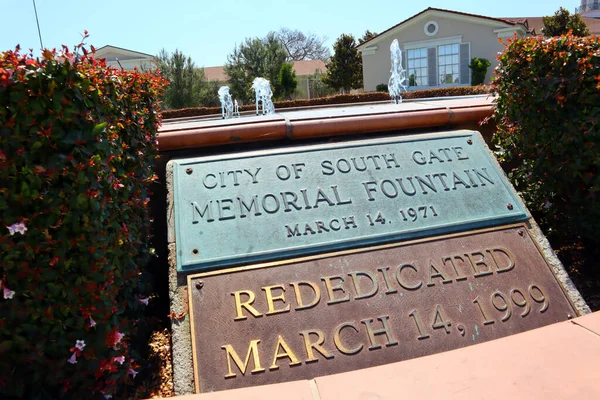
x,y
337,99
548,116
77,148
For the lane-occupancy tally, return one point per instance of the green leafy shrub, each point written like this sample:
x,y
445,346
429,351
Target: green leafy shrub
x,y
287,80
479,67
77,147
338,99
382,87
548,113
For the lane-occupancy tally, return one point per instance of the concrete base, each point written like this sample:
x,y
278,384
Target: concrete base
x,y
183,366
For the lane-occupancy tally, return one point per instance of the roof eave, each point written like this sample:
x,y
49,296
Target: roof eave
x,y
387,32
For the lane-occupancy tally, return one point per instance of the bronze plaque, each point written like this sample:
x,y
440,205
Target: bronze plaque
x,y
319,315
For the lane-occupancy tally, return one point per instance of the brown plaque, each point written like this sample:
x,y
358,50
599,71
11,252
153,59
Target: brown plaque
x,y
336,312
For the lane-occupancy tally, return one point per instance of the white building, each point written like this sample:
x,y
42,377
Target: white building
x,y
127,59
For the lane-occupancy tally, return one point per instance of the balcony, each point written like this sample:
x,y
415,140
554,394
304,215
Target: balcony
x,y
588,7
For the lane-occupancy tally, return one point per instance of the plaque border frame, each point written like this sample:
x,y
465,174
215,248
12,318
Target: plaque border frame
x,y
178,165
338,253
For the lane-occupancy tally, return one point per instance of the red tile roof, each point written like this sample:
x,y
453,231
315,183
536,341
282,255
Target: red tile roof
x,y
215,74
593,25
308,67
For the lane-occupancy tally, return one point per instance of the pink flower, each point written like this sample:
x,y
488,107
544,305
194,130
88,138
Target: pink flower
x,y
144,301
79,345
118,336
120,359
132,372
17,227
73,359
92,322
8,294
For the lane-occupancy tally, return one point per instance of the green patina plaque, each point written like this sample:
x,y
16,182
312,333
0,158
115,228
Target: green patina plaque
x,y
265,205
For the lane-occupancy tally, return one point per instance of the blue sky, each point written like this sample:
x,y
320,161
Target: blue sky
x,y
208,31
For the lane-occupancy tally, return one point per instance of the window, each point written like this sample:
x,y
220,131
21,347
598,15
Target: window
x,y
431,28
417,67
448,64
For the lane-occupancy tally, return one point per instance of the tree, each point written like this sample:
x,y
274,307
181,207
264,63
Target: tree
x,y
368,35
187,84
252,59
303,47
208,94
479,67
287,80
563,22
318,88
344,71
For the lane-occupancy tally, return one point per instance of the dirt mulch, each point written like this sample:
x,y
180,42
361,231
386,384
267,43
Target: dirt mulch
x,y
583,265
158,383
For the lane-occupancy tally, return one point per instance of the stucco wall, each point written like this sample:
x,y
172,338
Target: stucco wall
x,y
483,40
142,65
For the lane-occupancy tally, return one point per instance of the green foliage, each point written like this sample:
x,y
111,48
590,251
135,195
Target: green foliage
x,y
339,99
382,87
547,112
209,95
253,59
287,80
368,35
187,84
479,67
412,80
318,88
77,147
562,22
344,71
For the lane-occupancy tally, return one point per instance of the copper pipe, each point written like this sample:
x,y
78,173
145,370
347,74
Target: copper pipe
x,y
172,137
220,135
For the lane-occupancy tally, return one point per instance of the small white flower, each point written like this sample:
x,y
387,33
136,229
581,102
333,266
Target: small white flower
x,y
120,359
8,294
73,359
21,228
79,345
17,227
144,301
132,372
92,322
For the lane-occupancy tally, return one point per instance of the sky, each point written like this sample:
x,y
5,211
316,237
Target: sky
x,y
208,31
